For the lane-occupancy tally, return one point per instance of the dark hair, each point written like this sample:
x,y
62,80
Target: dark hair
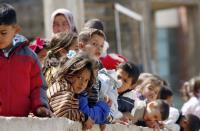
x,y
196,87
164,93
193,122
164,109
94,23
86,34
131,69
7,14
75,65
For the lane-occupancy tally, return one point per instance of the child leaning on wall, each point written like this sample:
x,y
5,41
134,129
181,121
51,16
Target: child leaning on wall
x,y
22,85
68,95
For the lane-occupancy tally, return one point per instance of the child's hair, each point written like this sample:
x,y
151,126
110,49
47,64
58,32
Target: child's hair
x,y
131,69
94,23
193,122
196,87
61,40
190,88
164,93
7,14
149,80
86,34
144,76
75,65
164,109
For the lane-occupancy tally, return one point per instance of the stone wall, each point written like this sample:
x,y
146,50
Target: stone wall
x,y
55,124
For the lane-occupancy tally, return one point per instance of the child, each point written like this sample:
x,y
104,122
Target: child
x,y
74,77
128,73
192,106
189,122
59,47
62,20
148,88
109,85
109,61
154,111
91,41
22,85
166,94
39,46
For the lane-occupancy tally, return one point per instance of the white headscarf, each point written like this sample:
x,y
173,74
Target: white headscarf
x,y
69,17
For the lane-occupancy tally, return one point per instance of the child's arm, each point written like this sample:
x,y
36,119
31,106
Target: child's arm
x,y
38,88
98,113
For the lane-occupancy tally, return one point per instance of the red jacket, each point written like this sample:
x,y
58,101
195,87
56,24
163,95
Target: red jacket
x,y
22,86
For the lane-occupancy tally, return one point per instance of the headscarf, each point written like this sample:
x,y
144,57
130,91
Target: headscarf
x,y
69,17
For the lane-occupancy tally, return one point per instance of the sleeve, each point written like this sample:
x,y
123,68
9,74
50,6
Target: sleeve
x,y
98,112
125,104
173,116
38,85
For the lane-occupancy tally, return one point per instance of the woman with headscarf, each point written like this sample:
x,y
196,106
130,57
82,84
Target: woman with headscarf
x,y
62,20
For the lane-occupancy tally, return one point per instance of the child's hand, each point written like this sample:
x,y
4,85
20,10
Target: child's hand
x,y
108,100
124,118
88,124
153,124
44,112
128,115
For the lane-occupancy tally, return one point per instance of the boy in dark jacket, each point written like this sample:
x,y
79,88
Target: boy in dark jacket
x,y
22,86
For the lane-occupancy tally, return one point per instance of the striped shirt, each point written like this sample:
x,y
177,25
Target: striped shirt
x,y
64,102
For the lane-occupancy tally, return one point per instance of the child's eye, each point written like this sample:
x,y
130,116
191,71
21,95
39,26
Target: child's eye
x,y
118,77
94,44
3,33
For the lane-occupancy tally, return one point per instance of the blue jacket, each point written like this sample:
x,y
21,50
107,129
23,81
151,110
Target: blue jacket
x,y
98,113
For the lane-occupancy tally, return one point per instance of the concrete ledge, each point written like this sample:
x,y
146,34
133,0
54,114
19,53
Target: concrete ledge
x,y
55,124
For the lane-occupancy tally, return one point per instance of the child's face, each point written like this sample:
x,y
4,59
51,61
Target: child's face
x,y
150,92
126,80
80,81
74,46
95,45
42,54
7,32
60,24
152,112
170,100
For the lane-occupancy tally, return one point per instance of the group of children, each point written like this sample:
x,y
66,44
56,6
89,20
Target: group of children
x,y
67,77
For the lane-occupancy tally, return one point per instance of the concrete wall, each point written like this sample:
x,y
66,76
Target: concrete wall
x,y
55,124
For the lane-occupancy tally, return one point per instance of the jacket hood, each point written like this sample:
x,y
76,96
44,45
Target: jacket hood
x,y
17,42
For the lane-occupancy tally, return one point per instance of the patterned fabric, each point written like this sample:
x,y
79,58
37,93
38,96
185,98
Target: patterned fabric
x,y
64,102
50,68
93,95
